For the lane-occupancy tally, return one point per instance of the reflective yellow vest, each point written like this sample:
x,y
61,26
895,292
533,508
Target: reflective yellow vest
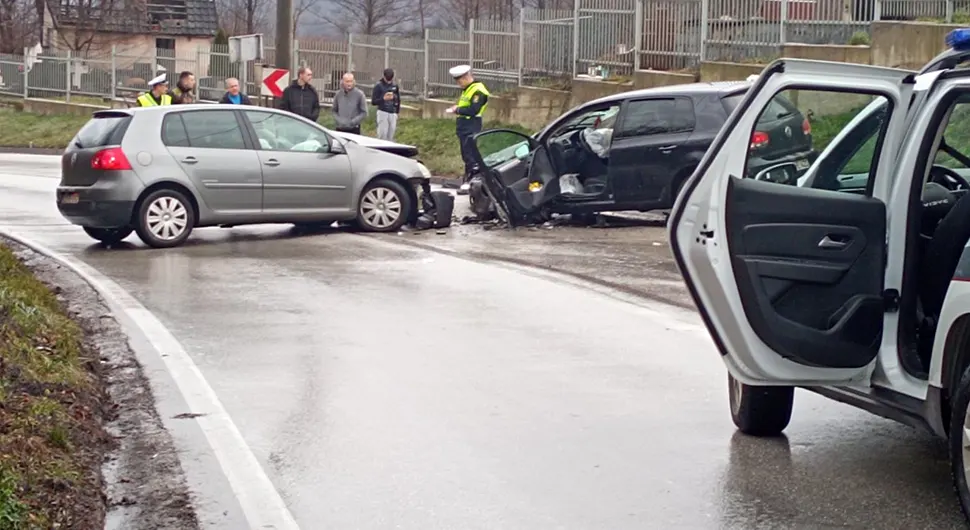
x,y
146,100
468,94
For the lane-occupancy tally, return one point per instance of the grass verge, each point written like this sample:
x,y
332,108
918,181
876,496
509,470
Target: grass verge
x,y
50,410
435,138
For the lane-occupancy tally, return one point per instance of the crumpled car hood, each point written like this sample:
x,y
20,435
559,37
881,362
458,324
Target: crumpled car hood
x,y
381,145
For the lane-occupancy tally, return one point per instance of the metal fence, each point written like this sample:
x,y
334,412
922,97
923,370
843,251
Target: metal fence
x,y
597,38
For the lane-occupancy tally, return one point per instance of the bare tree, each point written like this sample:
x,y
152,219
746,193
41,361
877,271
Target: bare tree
x,y
300,10
86,26
18,25
245,17
369,17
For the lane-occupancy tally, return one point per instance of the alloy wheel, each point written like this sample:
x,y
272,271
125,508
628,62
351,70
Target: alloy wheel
x,y
166,218
381,207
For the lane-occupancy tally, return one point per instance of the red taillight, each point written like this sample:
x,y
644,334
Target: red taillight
x,y
111,159
806,127
759,139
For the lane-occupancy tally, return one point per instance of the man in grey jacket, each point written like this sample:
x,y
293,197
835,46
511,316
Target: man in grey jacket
x,y
349,106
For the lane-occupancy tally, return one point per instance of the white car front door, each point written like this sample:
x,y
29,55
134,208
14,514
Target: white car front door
x,y
789,280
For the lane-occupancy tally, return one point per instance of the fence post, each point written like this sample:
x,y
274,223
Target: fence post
x,y
877,10
350,52
949,11
637,33
427,63
295,60
114,72
67,81
521,42
387,52
471,42
575,37
783,24
26,73
705,21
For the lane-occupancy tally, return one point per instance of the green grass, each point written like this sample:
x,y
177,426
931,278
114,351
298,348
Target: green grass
x,y
46,400
957,134
434,137
25,129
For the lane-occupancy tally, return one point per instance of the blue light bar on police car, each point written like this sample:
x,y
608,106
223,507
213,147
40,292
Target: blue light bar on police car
x,y
959,39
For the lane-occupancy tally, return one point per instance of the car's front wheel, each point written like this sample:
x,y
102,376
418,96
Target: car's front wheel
x,y
165,219
384,206
760,410
959,440
108,236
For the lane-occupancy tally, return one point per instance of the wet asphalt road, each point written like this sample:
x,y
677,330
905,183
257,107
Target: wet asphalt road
x,y
388,385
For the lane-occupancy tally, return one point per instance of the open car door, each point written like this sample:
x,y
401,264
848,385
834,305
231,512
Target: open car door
x,y
516,171
789,279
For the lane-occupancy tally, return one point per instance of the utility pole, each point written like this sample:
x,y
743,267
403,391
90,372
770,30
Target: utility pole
x,y
284,35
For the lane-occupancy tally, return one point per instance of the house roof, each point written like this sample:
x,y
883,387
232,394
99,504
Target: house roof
x,y
191,18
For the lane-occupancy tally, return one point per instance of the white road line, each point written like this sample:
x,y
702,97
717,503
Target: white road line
x,y
261,503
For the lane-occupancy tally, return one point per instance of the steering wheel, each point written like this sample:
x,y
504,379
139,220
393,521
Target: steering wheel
x,y
948,178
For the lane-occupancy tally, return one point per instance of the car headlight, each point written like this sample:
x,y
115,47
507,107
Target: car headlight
x,y
425,172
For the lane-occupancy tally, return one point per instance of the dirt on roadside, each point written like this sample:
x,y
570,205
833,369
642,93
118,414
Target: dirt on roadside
x,y
81,445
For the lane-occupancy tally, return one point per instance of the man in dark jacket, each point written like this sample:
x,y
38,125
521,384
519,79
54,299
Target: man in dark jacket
x,y
184,93
387,98
301,98
233,96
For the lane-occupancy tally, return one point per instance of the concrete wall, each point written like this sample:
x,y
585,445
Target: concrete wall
x,y
655,78
716,71
828,52
907,45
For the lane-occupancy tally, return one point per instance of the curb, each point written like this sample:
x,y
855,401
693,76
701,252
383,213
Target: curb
x,y
447,182
31,151
154,345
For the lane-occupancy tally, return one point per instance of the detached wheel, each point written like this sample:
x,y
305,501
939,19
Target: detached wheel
x,y
959,440
108,236
760,410
384,206
165,219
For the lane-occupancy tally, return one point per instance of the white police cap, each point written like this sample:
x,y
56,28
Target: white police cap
x,y
459,70
158,80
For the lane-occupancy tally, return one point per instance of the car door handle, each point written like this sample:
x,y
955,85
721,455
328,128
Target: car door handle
x,y
189,160
272,162
833,244
667,148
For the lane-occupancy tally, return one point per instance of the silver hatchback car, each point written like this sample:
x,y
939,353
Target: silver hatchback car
x,y
162,171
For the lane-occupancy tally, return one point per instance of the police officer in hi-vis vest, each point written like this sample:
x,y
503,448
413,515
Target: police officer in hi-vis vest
x,y
157,93
468,120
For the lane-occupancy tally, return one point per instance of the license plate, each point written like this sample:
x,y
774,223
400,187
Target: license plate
x,y
70,198
801,164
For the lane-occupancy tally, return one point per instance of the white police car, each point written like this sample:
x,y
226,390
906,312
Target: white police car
x,y
855,284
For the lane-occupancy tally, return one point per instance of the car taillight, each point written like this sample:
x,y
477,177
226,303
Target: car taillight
x,y
806,127
759,139
111,159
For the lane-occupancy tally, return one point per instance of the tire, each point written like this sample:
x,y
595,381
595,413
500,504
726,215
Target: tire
x,y
384,206
165,219
108,236
444,208
959,408
760,410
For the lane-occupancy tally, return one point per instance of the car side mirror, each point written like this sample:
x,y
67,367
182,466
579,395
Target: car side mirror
x,y
336,148
785,173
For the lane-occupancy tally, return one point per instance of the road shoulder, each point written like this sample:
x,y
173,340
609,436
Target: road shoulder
x,y
143,481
